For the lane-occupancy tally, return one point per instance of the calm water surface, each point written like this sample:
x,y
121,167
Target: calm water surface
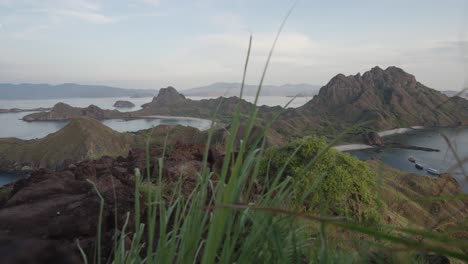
x,y
442,160
13,126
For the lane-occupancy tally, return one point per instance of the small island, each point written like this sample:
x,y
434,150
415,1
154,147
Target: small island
x,y
123,104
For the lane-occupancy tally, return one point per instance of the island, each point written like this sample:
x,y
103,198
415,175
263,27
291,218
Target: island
x,y
123,104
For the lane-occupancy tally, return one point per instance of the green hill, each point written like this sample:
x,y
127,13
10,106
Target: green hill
x,y
82,139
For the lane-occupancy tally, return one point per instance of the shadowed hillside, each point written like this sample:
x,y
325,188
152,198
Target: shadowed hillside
x,y
82,139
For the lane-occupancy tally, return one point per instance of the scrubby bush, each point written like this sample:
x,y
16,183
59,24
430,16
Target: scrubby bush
x,y
340,183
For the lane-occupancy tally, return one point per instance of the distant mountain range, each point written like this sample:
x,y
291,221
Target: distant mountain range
x,y
233,89
27,91
451,93
10,91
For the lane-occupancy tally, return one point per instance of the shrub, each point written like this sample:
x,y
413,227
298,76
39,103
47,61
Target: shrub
x,y
341,183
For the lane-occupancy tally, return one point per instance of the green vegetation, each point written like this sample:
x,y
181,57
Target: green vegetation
x,y
335,180
83,138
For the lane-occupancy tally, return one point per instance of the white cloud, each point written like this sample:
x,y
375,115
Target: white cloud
x,y
151,2
90,17
83,4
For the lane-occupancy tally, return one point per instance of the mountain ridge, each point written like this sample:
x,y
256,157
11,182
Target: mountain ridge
x,y
233,89
380,99
387,98
9,91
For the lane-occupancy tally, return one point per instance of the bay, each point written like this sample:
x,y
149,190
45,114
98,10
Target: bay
x,y
430,138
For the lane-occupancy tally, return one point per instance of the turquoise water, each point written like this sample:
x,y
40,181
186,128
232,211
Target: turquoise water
x,y
6,178
13,126
443,160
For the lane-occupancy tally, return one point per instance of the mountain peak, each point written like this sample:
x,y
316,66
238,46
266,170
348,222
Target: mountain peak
x,y
383,96
376,69
170,93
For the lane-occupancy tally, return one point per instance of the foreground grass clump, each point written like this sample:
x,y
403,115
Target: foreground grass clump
x,y
336,181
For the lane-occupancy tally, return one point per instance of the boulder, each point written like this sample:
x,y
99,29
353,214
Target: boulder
x,y
372,138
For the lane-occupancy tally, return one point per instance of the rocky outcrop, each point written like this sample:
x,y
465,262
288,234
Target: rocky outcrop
x,y
59,207
123,104
64,112
376,100
372,138
386,99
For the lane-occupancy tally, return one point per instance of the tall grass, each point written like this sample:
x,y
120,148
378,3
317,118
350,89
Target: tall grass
x,y
223,220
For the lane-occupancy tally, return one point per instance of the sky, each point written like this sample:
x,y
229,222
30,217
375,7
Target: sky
x,y
190,43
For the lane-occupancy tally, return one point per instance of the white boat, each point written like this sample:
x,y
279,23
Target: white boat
x,y
433,171
419,166
412,159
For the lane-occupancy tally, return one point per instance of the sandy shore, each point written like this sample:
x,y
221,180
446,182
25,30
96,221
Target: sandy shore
x,y
401,130
201,120
350,147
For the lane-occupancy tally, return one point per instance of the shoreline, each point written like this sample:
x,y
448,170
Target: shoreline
x,y
385,133
209,122
350,147
400,130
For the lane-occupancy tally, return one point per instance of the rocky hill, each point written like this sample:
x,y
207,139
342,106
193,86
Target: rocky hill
x,y
384,99
63,112
171,102
389,98
82,139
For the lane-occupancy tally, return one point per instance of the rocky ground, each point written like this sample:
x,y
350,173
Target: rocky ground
x,y
46,213
51,209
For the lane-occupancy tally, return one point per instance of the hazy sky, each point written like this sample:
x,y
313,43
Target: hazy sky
x,y
155,43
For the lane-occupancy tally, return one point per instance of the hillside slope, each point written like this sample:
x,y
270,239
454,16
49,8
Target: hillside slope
x,y
408,199
382,99
82,139
388,98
